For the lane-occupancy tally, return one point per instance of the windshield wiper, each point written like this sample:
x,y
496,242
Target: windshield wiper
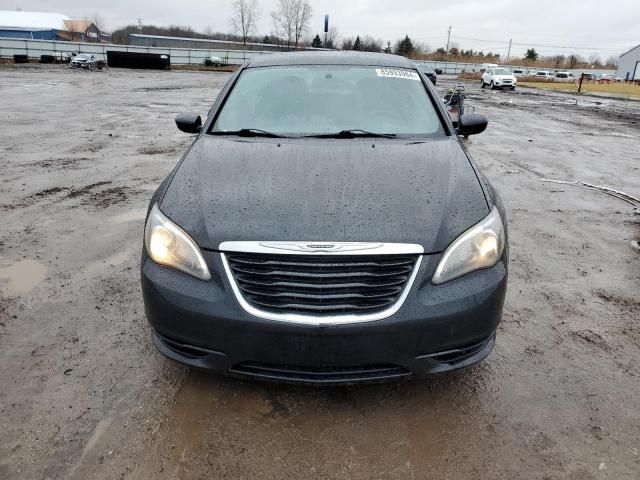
x,y
248,132
353,133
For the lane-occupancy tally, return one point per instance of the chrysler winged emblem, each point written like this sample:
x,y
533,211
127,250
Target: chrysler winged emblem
x,y
321,247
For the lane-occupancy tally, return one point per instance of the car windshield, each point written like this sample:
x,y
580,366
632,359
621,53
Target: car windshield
x,y
329,99
502,71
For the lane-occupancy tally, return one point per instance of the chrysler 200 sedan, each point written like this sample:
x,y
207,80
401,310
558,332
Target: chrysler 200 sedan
x,y
326,226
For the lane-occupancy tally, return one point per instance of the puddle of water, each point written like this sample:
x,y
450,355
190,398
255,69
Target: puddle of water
x,y
114,260
131,216
22,277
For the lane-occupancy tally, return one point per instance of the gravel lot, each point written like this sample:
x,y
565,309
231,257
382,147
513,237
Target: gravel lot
x,y
83,394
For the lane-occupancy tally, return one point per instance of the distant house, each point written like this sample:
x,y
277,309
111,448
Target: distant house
x,y
629,64
49,26
80,31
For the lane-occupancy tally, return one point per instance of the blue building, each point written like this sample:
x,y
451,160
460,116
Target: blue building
x,y
36,25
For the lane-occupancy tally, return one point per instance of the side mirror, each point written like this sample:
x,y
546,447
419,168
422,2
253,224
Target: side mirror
x,y
472,124
189,122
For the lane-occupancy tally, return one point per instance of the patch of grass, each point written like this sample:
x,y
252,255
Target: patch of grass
x,y
617,89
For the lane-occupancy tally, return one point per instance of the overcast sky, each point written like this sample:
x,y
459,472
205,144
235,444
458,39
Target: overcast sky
x,y
605,27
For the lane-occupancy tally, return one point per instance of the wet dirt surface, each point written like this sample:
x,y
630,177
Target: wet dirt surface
x,y
83,393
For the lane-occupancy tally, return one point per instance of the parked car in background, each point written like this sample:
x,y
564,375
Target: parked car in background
x,y
543,75
608,77
213,61
589,76
566,77
499,78
87,61
430,73
519,72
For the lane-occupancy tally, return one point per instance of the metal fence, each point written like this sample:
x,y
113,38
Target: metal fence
x,y
455,68
451,68
191,56
179,56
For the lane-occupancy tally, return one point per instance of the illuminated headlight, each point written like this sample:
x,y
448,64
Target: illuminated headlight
x,y
479,247
167,244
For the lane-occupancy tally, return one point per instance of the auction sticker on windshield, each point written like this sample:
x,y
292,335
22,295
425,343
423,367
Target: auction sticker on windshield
x,y
397,73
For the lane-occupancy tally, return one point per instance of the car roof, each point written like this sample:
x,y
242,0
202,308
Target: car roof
x,y
331,58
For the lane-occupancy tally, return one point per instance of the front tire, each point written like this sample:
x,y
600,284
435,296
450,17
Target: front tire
x,y
482,84
493,87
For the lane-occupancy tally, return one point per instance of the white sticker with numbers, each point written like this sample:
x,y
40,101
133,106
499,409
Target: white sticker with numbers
x,y
397,73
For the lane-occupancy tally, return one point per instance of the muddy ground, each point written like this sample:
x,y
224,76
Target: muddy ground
x,y
83,393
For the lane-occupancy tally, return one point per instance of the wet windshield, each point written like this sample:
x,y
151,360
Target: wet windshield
x,y
502,71
313,100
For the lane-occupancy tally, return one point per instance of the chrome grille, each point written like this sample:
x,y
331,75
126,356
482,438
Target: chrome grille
x,y
321,285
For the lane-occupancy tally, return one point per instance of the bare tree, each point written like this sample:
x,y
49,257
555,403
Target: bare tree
x,y
612,62
244,16
558,60
291,19
595,61
573,60
347,43
98,21
74,29
333,37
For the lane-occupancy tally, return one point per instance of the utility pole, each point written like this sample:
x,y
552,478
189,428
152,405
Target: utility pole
x,y
326,30
139,25
448,39
509,51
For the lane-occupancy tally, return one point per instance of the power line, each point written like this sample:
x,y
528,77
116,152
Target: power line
x,y
523,44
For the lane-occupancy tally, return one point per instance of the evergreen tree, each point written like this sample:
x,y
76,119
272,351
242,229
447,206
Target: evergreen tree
x,y
356,44
405,47
531,54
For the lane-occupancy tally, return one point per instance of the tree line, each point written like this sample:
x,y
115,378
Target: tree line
x,y
291,20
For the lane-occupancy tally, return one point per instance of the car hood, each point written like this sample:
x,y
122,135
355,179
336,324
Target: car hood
x,y
230,189
504,77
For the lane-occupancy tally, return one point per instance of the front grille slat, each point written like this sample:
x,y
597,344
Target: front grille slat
x,y
300,294
285,283
320,273
321,285
254,262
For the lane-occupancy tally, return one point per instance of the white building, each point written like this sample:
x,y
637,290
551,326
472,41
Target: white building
x,y
629,65
18,24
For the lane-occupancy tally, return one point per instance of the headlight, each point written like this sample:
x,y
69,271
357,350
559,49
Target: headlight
x,y
479,247
167,244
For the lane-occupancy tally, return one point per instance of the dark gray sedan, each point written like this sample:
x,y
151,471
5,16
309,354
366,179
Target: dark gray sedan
x,y
326,226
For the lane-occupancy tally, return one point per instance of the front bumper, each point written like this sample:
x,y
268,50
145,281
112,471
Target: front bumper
x,y
438,329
